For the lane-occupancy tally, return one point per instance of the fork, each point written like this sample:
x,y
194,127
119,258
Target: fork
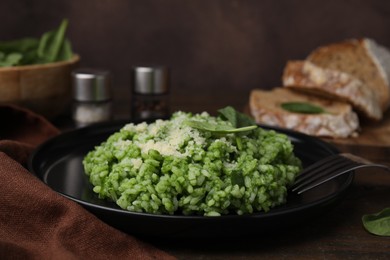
x,y
329,168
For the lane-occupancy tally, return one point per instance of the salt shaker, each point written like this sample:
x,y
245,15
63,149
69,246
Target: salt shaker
x,y
150,93
91,96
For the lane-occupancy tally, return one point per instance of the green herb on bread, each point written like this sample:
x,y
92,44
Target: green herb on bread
x,y
302,107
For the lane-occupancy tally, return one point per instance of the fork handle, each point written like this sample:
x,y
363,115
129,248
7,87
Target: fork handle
x,y
356,158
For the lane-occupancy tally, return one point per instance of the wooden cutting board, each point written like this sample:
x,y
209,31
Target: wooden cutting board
x,y
371,133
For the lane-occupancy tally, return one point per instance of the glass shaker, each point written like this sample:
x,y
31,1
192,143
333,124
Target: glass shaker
x,y
92,96
150,93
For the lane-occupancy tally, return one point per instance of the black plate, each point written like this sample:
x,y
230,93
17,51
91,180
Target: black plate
x,y
57,163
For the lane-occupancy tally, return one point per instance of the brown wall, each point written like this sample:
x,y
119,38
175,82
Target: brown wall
x,y
210,45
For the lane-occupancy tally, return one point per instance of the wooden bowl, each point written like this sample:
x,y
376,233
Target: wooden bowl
x,y
44,88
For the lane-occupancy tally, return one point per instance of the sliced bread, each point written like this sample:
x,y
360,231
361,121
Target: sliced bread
x,y
306,76
337,121
362,58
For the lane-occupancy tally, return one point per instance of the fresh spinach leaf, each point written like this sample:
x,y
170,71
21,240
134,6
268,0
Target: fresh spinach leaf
x,y
21,45
52,43
236,118
378,223
50,47
65,51
29,57
230,114
240,123
10,59
302,107
217,128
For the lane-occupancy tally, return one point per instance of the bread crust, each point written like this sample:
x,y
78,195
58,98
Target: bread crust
x,y
362,58
338,122
306,76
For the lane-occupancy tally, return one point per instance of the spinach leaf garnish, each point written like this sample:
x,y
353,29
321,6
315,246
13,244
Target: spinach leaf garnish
x,y
378,223
240,124
302,107
217,128
236,118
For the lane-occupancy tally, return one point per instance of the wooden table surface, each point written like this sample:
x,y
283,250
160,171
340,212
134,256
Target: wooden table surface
x,y
337,234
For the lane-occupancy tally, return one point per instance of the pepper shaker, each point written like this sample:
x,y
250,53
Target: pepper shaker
x,y
150,93
92,96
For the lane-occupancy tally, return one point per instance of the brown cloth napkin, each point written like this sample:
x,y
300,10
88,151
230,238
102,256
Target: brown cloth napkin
x,y
38,223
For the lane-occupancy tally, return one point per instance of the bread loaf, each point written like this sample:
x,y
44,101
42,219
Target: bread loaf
x,y
306,76
364,59
338,120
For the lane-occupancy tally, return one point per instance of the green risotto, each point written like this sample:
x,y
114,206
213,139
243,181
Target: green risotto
x,y
177,166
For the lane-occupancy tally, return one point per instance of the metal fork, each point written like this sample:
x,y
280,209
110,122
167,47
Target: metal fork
x,y
329,168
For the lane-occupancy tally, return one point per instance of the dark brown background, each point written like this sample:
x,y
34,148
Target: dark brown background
x,y
218,51
212,46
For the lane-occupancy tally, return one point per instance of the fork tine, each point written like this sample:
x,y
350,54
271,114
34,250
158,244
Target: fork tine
x,y
351,167
340,167
317,167
329,168
322,169
329,177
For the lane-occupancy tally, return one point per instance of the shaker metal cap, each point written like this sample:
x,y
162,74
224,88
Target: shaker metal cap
x,y
91,85
150,80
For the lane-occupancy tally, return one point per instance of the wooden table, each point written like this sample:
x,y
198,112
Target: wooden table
x,y
338,234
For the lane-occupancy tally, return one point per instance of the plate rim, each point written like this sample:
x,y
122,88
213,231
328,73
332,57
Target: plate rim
x,y
117,124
